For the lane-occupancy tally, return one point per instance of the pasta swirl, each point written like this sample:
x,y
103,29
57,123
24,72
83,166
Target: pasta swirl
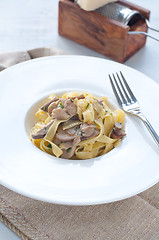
x,y
77,126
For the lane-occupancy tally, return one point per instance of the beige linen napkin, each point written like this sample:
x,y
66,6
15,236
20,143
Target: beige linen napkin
x,y
136,218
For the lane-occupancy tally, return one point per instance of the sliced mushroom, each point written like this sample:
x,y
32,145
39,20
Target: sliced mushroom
x,y
81,96
45,107
70,107
118,132
59,114
42,131
70,147
87,129
62,109
64,136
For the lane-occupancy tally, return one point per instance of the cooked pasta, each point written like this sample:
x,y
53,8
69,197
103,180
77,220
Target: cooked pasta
x,y
77,126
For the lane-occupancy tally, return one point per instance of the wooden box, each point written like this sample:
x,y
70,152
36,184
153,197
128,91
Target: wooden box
x,y
100,33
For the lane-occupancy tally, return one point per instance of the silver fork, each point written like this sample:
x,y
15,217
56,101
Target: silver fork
x,y
128,101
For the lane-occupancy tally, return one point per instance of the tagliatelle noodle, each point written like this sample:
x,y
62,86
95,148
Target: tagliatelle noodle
x,y
49,137
89,110
101,141
41,115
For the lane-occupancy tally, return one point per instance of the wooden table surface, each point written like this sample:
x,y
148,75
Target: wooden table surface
x,y
27,24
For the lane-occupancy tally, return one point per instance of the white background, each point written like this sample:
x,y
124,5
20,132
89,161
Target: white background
x,y
27,24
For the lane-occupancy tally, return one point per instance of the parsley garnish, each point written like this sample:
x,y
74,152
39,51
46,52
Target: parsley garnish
x,y
87,106
68,149
61,105
44,108
76,128
71,100
45,128
49,145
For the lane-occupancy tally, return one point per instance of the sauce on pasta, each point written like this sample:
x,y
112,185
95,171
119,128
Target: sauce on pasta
x,y
77,126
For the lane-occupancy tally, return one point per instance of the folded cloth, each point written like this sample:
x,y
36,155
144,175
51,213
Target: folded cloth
x,y
136,218
10,58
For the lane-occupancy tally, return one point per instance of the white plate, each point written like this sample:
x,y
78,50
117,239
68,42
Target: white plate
x,y
125,171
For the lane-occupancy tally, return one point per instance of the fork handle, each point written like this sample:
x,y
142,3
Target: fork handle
x,y
150,128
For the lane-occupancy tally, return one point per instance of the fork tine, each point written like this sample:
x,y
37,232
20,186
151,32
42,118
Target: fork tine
x,y
123,88
128,88
115,91
120,97
119,90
